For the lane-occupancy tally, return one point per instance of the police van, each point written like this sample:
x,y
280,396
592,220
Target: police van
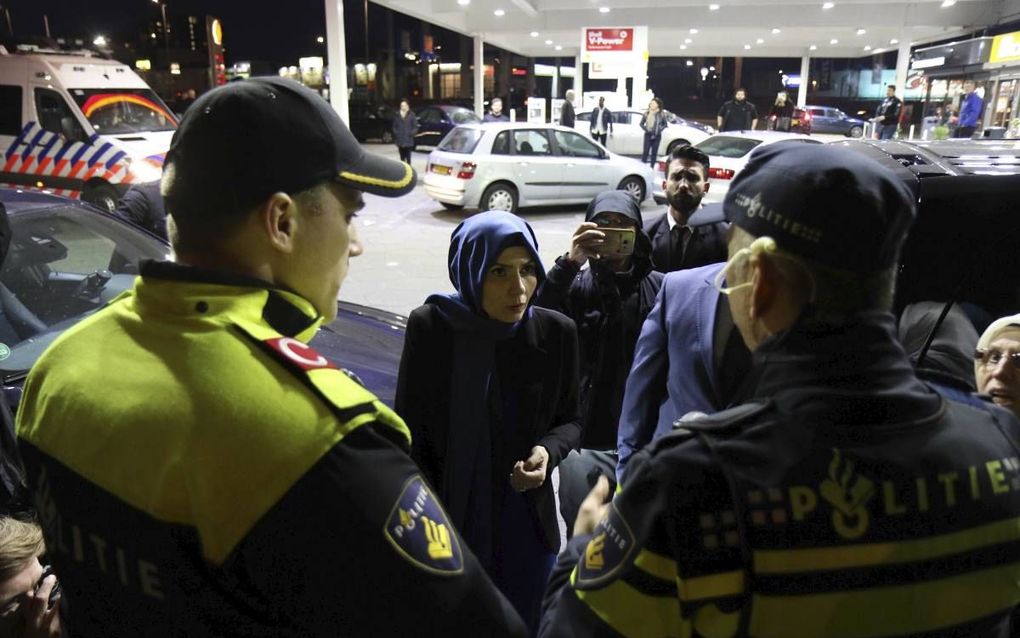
x,y
78,124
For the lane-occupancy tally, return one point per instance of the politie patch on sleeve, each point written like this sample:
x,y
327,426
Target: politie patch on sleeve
x,y
421,533
611,547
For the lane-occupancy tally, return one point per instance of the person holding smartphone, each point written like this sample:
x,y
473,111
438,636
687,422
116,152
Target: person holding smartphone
x,y
609,302
29,592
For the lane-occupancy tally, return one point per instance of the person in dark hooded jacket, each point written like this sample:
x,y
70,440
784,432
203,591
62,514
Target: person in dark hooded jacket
x,y
947,363
608,302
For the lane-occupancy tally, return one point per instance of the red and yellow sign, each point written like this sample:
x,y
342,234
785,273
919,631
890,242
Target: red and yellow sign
x,y
103,100
611,39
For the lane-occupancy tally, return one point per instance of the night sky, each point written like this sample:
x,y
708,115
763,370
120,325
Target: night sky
x,y
279,35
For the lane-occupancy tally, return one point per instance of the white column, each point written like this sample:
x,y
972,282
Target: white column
x,y
639,86
903,62
805,80
336,52
555,83
479,75
579,81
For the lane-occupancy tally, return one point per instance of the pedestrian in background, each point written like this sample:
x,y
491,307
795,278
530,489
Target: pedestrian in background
x,y
25,586
970,112
781,113
142,204
488,386
567,115
601,122
405,126
652,123
496,113
887,115
738,114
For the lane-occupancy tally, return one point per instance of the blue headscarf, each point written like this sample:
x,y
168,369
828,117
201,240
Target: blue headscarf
x,y
467,479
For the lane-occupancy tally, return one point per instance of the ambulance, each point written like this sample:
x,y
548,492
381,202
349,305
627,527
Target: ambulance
x,y
78,124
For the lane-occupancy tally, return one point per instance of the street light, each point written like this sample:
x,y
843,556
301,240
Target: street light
x,y
166,26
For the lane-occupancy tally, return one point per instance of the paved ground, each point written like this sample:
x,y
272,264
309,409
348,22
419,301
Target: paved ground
x,y
406,242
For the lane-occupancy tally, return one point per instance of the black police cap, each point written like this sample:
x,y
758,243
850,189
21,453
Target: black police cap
x,y
826,203
244,141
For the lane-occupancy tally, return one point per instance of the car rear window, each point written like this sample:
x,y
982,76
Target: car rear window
x,y
728,146
462,139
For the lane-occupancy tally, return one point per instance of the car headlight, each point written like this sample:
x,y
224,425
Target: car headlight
x,y
143,171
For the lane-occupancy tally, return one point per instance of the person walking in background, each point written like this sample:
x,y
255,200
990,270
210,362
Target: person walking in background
x,y
496,113
488,386
405,126
567,115
781,113
738,114
653,123
601,122
887,115
970,112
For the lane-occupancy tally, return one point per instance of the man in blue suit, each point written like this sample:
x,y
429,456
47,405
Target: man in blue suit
x,y
689,358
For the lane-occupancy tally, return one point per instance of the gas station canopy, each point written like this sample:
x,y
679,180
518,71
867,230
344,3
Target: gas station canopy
x,y
748,28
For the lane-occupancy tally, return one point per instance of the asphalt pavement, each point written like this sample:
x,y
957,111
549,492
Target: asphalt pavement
x,y
406,241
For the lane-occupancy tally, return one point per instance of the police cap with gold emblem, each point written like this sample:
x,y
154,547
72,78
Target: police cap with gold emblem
x,y
242,142
826,203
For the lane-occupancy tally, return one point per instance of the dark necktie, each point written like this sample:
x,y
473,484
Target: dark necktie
x,y
678,235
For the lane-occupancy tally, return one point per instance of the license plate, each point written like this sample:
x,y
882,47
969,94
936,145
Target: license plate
x,y
442,170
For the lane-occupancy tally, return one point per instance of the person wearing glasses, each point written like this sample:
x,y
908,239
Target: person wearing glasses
x,y
847,497
997,363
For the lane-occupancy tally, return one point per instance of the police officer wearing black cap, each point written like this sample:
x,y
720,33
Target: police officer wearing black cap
x,y
229,479
848,499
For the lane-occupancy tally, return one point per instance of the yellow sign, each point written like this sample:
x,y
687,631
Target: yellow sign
x,y
1005,48
593,553
217,32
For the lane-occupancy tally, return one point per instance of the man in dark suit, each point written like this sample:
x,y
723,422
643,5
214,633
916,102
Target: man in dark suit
x,y
678,241
601,122
567,110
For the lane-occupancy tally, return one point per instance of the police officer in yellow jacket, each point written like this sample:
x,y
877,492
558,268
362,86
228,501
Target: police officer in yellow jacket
x,y
226,479
848,499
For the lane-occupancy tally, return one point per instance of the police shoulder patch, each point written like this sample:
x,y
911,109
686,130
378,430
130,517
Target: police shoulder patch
x,y
420,531
298,353
612,546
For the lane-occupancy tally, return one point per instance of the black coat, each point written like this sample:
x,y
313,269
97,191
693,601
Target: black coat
x,y
608,323
707,245
542,355
143,205
567,115
404,129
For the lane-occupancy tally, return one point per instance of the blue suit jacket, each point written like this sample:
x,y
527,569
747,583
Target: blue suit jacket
x,y
673,371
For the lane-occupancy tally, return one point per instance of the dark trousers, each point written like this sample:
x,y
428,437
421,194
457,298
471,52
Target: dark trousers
x,y
886,131
965,132
651,149
405,153
599,137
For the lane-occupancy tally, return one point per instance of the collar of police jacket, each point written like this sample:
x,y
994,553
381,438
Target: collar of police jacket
x,y
851,373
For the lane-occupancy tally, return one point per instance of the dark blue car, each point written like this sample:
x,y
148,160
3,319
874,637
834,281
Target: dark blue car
x,y
826,119
67,259
434,122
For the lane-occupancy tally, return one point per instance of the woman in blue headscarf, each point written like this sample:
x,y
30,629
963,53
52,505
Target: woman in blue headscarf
x,y
488,387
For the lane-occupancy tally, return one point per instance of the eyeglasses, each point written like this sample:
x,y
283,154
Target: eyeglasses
x,y
992,358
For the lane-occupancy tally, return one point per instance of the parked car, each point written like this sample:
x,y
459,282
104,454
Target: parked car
x,y
963,245
434,122
728,154
628,136
504,166
67,259
372,122
826,119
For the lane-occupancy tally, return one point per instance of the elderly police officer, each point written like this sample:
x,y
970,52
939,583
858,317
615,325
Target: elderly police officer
x,y
199,469
848,499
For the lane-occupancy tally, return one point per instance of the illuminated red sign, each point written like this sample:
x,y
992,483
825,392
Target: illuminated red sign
x,y
518,71
609,39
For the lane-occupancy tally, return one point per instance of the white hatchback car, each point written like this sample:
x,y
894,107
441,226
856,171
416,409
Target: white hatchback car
x,y
628,137
727,154
505,166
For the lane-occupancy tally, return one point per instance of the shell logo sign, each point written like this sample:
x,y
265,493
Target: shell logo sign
x,y
217,32
609,39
